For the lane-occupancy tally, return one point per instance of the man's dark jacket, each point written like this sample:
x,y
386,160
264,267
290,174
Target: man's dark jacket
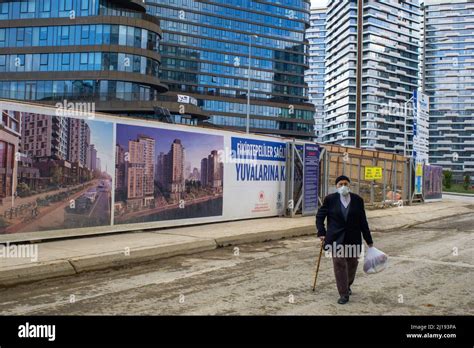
x,y
339,230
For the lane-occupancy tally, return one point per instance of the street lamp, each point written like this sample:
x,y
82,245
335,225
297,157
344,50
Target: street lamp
x,y
405,127
248,87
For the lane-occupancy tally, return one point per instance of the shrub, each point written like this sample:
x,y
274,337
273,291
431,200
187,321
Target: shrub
x,y
447,178
467,182
23,190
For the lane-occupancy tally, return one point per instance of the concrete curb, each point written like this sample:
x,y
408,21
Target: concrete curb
x,y
34,272
459,194
120,259
265,236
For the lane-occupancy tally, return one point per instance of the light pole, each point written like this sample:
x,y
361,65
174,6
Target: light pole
x,y
248,82
405,127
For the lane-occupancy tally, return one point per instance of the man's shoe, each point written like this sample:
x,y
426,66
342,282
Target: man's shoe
x,y
343,300
350,291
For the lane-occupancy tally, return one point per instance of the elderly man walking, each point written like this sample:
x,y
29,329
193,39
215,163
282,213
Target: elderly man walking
x,y
346,221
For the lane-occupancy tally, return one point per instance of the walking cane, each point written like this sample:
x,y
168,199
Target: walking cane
x,y
317,268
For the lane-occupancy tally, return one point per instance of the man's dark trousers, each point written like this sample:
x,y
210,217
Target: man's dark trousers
x,y
345,269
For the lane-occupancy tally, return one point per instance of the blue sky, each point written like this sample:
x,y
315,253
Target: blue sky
x,y
102,138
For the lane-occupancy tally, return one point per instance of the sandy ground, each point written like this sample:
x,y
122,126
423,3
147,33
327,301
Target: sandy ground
x,y
431,272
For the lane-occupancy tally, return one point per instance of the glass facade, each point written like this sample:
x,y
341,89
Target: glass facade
x,y
448,79
72,35
85,61
316,35
118,46
33,9
380,82
90,90
205,54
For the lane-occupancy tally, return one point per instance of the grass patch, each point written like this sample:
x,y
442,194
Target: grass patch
x,y
457,188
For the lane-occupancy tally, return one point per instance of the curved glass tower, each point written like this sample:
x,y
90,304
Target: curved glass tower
x,y
102,51
205,54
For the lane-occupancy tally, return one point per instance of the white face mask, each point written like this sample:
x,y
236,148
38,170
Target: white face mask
x,y
343,190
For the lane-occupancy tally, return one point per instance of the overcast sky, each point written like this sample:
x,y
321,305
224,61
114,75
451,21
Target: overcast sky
x,y
318,3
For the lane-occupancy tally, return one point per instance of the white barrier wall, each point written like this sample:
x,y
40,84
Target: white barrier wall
x,y
66,173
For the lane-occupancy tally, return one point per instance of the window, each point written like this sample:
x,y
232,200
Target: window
x,y
85,32
20,34
84,4
46,6
3,146
28,6
2,37
43,33
43,59
64,33
4,8
20,60
84,57
65,59
122,38
3,62
65,5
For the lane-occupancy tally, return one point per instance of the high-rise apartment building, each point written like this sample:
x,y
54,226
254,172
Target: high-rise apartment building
x,y
79,141
46,137
149,158
140,171
98,164
160,169
372,52
135,171
174,168
214,170
316,35
204,173
92,157
10,133
448,79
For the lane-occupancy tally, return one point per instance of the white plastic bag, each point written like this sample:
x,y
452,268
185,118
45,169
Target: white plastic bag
x,y
375,261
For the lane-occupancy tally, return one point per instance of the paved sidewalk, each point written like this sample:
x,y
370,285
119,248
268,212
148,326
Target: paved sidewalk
x,y
458,194
72,256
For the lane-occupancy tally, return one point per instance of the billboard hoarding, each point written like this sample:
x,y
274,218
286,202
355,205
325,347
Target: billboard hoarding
x,y
96,173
